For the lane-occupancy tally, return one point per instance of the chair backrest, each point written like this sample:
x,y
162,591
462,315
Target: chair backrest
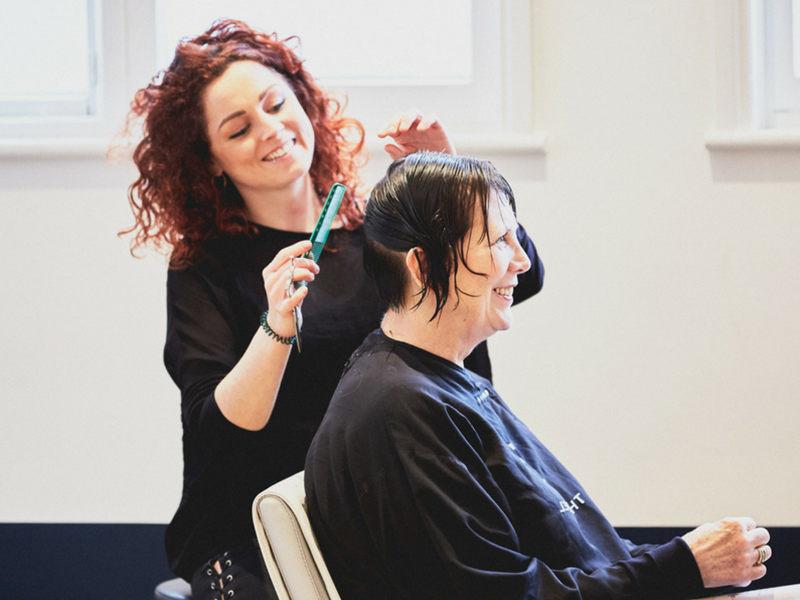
x,y
290,550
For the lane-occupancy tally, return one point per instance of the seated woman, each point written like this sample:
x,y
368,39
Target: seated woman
x,y
421,483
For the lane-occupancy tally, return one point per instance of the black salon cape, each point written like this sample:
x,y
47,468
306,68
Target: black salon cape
x,y
213,311
421,483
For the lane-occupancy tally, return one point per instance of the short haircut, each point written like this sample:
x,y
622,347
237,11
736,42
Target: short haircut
x,y
427,200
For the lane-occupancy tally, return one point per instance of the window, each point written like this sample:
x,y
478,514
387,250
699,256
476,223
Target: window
x,y
796,38
781,66
482,75
774,44
84,76
350,45
467,60
66,80
758,91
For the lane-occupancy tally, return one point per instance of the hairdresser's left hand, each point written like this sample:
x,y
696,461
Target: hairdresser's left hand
x,y
411,131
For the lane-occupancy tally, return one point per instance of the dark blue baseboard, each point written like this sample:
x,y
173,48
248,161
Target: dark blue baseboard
x,y
42,561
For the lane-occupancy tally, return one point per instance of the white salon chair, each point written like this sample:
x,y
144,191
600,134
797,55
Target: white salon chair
x,y
288,545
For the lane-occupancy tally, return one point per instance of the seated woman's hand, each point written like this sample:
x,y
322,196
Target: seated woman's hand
x,y
280,276
727,552
411,131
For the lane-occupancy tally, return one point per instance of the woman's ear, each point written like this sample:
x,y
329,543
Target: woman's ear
x,y
415,263
214,167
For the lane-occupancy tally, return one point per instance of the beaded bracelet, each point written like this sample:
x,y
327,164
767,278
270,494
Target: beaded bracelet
x,y
283,340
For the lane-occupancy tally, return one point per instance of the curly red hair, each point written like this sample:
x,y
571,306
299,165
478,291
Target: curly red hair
x,y
177,201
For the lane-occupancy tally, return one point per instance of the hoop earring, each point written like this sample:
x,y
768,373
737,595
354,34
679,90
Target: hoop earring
x,y
215,181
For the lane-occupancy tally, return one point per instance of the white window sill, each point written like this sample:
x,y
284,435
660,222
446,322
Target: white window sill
x,y
517,157
480,145
753,140
98,147
45,149
81,162
761,155
500,144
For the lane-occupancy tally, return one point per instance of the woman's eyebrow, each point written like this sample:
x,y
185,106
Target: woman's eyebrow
x,y
239,113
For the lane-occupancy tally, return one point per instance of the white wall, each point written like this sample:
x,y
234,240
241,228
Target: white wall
x,y
658,363
89,422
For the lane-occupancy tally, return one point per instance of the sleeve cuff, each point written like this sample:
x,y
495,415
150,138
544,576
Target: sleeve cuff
x,y
680,575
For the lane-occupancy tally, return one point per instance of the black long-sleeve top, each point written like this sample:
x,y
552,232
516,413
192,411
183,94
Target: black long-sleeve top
x,y
422,484
213,311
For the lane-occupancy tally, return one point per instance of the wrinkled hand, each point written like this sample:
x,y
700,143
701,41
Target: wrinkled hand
x,y
727,551
411,131
280,276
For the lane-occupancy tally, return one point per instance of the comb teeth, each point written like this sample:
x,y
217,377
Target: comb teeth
x,y
316,250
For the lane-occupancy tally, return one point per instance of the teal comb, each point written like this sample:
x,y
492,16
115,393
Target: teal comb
x,y
323,227
318,239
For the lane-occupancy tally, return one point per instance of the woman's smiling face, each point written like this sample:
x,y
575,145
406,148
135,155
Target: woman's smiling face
x,y
258,132
483,305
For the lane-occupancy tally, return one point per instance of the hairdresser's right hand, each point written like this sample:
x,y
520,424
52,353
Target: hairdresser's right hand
x,y
727,551
279,276
411,131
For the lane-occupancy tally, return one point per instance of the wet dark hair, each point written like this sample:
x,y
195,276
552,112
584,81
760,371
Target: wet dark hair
x,y
427,200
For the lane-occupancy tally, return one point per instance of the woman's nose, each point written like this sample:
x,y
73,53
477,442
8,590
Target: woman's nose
x,y
521,262
269,125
